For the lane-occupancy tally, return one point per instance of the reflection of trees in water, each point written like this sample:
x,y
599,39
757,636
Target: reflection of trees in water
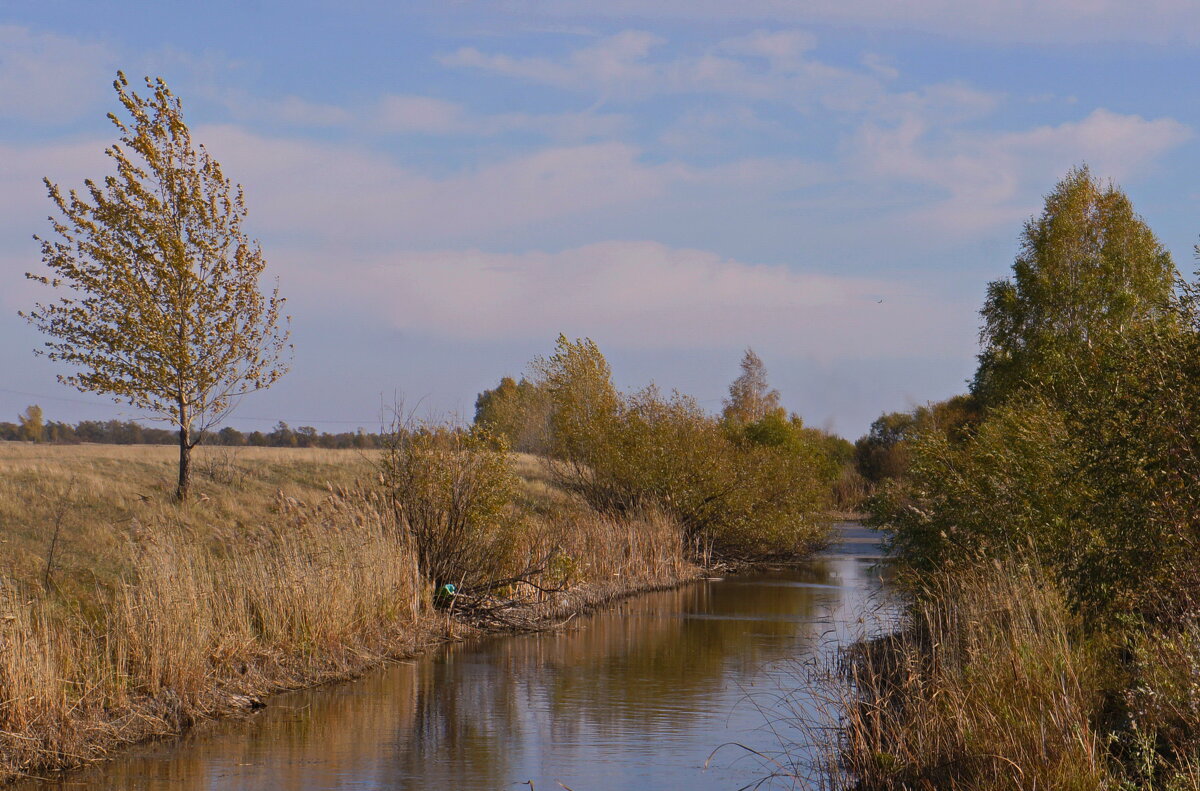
x,y
644,664
647,664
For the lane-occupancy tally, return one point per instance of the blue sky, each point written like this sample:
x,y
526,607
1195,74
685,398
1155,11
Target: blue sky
x,y
442,188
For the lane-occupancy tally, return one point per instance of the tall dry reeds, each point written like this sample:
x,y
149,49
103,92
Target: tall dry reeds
x,y
196,631
991,685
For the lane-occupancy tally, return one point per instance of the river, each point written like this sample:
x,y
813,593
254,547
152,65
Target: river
x,y
636,696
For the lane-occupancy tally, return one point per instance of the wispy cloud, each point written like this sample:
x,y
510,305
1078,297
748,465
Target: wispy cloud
x,y
763,66
648,295
1035,21
51,78
989,178
349,192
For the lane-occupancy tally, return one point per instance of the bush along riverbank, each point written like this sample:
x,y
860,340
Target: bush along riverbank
x,y
1049,533
126,615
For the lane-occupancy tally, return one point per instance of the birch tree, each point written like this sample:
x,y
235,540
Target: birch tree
x,y
750,397
1089,269
157,300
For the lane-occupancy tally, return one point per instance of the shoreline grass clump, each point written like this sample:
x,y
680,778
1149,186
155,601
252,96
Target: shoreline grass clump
x,y
188,633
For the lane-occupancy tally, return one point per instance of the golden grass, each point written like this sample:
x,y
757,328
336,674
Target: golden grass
x,y
104,494
189,633
992,686
282,571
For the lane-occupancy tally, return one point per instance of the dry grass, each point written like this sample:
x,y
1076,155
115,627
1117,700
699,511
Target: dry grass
x,y
991,686
104,494
283,571
190,632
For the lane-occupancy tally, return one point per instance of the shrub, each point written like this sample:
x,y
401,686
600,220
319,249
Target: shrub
x,y
452,492
1098,479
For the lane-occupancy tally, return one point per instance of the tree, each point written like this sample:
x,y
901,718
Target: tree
x,y
517,411
32,427
584,403
883,452
750,397
1089,269
164,308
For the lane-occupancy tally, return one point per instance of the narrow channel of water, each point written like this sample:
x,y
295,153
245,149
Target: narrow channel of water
x,y
634,697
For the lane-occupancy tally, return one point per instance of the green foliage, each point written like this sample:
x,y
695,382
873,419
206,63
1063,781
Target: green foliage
x,y
32,428
1094,469
162,307
750,397
993,496
585,405
515,411
1089,270
1084,461
883,453
1098,480
744,490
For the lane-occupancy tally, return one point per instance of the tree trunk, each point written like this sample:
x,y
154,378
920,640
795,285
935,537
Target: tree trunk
x,y
185,455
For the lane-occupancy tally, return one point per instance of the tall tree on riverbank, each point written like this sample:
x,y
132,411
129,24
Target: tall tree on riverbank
x,y
1089,268
750,397
163,307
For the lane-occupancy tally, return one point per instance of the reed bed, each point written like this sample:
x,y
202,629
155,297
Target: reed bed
x,y
990,686
194,633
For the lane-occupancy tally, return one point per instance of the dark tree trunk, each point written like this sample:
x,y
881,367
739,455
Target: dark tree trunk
x,y
185,456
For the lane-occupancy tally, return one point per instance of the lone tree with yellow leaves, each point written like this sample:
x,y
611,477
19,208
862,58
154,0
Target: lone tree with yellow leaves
x,y
162,306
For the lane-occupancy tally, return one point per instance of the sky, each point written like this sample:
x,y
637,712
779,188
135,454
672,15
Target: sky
x,y
442,188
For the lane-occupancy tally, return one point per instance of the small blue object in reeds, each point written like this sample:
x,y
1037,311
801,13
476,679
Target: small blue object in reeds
x,y
445,594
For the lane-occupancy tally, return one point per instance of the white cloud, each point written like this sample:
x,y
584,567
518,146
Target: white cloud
x,y
402,114
50,78
767,66
351,193
613,61
647,295
989,178
420,114
426,115
297,111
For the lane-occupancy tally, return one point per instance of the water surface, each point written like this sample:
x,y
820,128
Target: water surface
x,y
634,697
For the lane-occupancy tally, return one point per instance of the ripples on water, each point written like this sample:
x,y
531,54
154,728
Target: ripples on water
x,y
634,697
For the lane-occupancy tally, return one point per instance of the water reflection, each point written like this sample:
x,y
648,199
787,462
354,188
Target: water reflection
x,y
634,697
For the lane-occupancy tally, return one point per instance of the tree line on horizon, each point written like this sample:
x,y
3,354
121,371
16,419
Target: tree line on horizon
x,y
31,426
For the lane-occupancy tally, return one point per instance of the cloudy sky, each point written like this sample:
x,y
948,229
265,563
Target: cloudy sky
x,y
443,187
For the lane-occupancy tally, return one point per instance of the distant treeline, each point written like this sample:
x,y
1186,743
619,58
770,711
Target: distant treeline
x,y
129,432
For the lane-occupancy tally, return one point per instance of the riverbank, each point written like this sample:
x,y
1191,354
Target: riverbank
x,y
997,683
637,694
124,617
